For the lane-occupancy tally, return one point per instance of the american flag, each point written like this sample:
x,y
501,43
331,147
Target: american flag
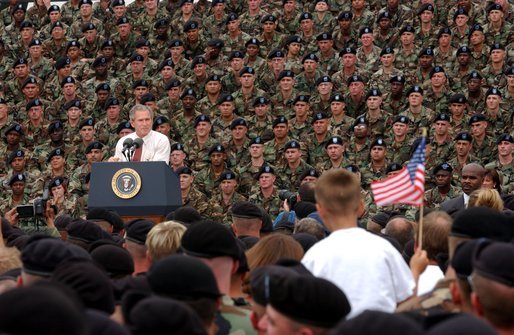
x,y
406,187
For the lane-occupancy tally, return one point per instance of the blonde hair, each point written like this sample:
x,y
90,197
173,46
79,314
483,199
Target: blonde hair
x,y
10,258
338,192
486,197
164,239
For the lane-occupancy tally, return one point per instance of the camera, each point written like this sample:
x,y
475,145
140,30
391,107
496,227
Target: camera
x,y
37,209
288,196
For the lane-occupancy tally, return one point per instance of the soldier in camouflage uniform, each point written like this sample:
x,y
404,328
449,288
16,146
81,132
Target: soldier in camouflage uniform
x,y
306,81
190,194
266,196
340,123
484,147
378,120
16,196
248,172
221,202
76,30
334,149
463,155
419,115
208,177
11,141
444,190
504,163
16,163
442,144
183,121
124,40
381,78
376,169
299,125
208,104
293,166
261,123
231,81
358,148
285,94
221,124
237,144
457,107
497,117
77,183
35,126
399,143
317,143
344,34
244,96
171,104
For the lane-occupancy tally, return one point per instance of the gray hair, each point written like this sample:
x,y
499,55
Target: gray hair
x,y
137,108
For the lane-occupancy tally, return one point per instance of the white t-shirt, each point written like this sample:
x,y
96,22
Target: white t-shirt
x,y
366,267
429,278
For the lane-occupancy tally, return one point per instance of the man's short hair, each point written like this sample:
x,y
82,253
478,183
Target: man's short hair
x,y
137,108
436,227
164,239
338,192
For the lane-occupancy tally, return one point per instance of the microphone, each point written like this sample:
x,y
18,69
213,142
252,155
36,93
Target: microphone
x,y
127,144
137,143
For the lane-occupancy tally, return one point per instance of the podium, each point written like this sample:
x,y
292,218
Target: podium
x,y
147,190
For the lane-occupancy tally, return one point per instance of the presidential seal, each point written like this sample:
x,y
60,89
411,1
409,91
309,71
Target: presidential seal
x,y
126,183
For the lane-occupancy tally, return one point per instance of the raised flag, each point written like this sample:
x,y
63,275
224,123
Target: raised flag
x,y
406,187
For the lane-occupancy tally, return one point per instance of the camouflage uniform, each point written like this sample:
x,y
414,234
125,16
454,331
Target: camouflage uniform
x,y
486,151
418,121
199,154
237,155
234,44
34,136
184,128
290,178
218,210
398,152
359,157
270,205
300,130
208,181
244,103
381,80
369,62
251,25
507,172
197,200
264,129
370,173
434,198
75,31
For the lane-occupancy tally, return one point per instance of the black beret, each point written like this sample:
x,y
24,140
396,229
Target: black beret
x,y
334,140
246,209
256,140
142,42
384,15
55,152
460,11
57,181
19,61
231,17
175,43
198,60
443,167
365,30
215,43
387,51
265,169
458,99
85,2
184,278
293,144
311,172
88,26
310,56
75,103
276,53
161,23
261,101
140,83
493,91
477,118
202,118
347,50
209,240
35,41
470,224
425,7
436,69
164,63
464,136
505,138
301,98
17,177
323,79
26,24
94,145
402,119
160,120
116,3
378,323
15,154
115,260
137,230
213,77
33,103
247,70
293,39
225,98
476,27
360,120
285,73
474,75
462,261
319,116
53,8
172,83
99,61
338,97
238,122
123,125
215,2
72,44
354,79
414,89
495,6
269,18
41,255
259,281
463,50
253,41
374,92
442,117
184,170
62,62
123,20
496,46
461,323
216,148
381,218
345,15
279,120
30,80
190,25
85,231
183,2
136,58
426,52
493,260
227,175
87,122
236,54
324,37
323,303
14,127
393,167
509,71
378,142
305,16
54,126
444,31
178,146
103,87
147,97
112,101
407,29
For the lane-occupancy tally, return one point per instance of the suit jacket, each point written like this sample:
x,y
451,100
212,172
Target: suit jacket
x,y
454,205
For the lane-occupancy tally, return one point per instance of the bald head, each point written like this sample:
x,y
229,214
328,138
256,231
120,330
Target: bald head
x,y
472,177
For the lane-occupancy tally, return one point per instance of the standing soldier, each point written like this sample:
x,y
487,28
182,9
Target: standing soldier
x,y
221,202
444,190
190,194
266,196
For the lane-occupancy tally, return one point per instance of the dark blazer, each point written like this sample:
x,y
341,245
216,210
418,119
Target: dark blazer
x,y
454,205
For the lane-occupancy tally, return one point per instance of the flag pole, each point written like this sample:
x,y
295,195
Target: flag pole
x,y
422,206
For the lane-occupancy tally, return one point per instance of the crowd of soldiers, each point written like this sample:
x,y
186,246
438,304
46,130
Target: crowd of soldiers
x,y
255,97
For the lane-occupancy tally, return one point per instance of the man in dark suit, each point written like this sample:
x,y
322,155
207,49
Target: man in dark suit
x,y
471,180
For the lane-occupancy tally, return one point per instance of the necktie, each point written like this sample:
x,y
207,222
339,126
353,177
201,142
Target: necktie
x,y
137,154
